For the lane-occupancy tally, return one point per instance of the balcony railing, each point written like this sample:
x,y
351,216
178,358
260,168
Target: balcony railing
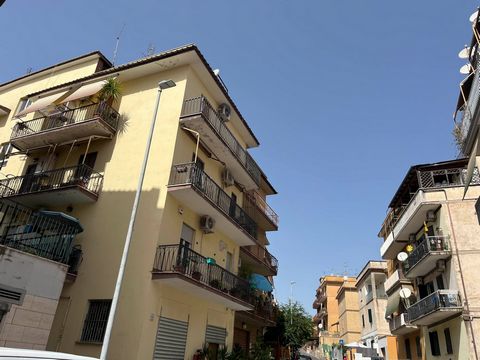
x,y
398,321
428,180
45,234
183,260
264,308
439,300
256,200
427,245
262,254
68,117
200,106
81,175
472,102
191,174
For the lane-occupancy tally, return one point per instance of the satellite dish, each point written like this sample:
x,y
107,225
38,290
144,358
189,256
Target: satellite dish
x,y
464,53
465,69
402,256
320,326
474,16
405,293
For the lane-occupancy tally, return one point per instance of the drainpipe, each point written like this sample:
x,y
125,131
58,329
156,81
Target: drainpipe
x,y
467,305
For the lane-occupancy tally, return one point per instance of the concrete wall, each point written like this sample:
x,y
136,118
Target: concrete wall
x,y
28,324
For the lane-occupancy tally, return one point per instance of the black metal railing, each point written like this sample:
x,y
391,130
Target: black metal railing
x,y
191,174
255,200
181,259
80,175
68,117
262,255
201,106
264,307
440,299
425,247
45,234
75,259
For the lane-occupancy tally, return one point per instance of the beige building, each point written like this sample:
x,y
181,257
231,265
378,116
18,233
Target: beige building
x,y
203,214
336,302
431,244
375,332
348,307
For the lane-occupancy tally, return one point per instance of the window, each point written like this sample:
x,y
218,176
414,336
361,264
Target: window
x,y
448,341
370,320
434,344
419,347
440,285
408,351
187,236
5,150
96,321
229,261
23,105
363,320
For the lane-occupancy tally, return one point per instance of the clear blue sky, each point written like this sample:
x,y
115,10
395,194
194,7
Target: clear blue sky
x,y
343,95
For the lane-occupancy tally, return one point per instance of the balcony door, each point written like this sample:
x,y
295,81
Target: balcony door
x,y
84,172
29,179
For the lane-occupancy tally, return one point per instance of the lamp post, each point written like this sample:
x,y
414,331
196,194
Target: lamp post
x,y
162,85
291,300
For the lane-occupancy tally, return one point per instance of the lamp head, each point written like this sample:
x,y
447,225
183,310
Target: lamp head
x,y
166,84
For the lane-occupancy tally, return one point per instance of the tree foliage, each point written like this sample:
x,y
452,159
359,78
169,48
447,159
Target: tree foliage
x,y
294,326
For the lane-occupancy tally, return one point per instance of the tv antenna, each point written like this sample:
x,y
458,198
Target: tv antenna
x,y
116,44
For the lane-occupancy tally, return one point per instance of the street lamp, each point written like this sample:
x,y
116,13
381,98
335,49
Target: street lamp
x,y
291,299
162,85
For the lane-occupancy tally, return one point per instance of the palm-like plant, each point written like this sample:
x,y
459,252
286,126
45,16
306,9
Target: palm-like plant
x,y
111,91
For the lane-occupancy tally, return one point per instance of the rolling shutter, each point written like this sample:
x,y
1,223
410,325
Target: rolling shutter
x,y
215,335
171,339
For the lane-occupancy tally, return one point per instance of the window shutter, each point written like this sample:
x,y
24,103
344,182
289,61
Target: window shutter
x,y
215,335
171,339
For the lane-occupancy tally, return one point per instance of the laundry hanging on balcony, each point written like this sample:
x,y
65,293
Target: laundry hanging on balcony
x,y
260,282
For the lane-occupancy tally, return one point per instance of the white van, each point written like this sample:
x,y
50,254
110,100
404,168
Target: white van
x,y
22,354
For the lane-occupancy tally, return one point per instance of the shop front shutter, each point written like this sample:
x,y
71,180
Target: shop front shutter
x,y
215,335
171,339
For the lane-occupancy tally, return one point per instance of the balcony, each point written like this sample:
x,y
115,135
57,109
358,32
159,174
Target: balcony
x,y
435,307
416,200
259,210
396,279
65,186
264,313
424,257
316,304
259,260
196,190
187,270
98,120
199,115
400,325
46,234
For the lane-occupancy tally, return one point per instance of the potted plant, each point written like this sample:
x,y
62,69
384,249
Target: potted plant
x,y
215,283
108,95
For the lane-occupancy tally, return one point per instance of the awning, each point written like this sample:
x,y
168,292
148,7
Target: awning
x,y
261,283
4,110
465,87
85,90
393,302
63,217
472,163
42,103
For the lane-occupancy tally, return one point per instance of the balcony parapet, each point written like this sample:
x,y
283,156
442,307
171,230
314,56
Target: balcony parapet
x,y
431,247
181,260
191,174
434,307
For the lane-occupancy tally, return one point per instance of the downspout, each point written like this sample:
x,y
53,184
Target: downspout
x,y
467,305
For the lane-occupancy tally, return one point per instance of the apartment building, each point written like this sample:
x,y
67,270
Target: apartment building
x,y
335,305
373,303
431,245
203,216
348,310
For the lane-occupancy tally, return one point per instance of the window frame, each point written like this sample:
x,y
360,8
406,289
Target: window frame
x,y
99,326
434,343
448,340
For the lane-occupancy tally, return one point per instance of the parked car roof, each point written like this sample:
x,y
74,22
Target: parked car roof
x,y
19,354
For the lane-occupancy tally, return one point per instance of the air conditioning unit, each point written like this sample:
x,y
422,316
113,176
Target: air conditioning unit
x,y
227,178
207,223
224,112
431,216
441,265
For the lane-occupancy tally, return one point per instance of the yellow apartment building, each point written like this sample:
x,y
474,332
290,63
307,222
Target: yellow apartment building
x,y
74,158
431,244
372,303
348,311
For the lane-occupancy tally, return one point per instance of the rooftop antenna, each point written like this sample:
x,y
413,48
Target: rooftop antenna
x,y
116,44
29,70
150,50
